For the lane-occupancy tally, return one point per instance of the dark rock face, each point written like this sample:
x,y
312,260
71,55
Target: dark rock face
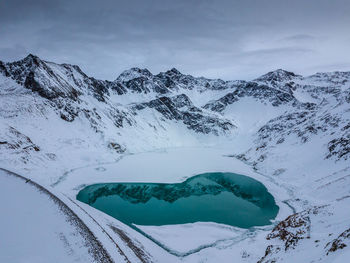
x,y
285,124
275,78
144,85
260,92
18,142
142,81
342,241
38,76
294,228
100,89
336,78
164,105
290,232
116,147
180,108
220,104
173,79
340,147
3,69
138,80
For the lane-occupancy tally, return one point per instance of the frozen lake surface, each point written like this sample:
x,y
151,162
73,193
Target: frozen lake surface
x,y
225,198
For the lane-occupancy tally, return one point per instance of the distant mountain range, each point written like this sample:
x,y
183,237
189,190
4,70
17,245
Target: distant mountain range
x,y
311,105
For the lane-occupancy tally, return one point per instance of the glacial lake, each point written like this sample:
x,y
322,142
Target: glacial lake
x,y
225,198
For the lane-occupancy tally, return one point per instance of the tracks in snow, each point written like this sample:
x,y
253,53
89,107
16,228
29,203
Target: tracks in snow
x,y
96,248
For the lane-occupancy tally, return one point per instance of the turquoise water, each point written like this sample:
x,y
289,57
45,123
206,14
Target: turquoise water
x,y
226,198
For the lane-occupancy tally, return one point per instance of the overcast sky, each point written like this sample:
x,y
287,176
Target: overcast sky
x,y
218,39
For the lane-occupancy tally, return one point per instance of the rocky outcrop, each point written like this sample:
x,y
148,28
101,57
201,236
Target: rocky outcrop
x,y
180,108
294,228
289,232
11,140
342,241
340,147
263,93
280,79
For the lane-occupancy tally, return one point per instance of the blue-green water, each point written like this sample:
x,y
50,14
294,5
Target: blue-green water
x,y
225,198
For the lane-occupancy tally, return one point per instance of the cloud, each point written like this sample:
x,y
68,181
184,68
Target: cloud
x,y
226,39
299,38
17,50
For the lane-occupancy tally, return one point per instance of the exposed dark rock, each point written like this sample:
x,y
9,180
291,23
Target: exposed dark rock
x,y
255,90
19,142
294,228
3,69
290,231
180,108
342,241
340,147
117,147
139,81
278,77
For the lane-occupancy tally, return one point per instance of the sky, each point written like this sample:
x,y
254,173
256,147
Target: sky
x,y
226,39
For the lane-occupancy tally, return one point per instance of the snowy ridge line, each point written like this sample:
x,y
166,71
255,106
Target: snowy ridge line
x,y
97,250
138,249
103,230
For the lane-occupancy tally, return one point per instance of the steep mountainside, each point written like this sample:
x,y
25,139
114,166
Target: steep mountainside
x,y
153,103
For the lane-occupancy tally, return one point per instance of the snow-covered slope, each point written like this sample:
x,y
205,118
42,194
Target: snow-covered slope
x,y
38,227
292,129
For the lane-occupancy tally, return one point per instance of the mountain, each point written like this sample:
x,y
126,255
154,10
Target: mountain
x,y
102,105
293,128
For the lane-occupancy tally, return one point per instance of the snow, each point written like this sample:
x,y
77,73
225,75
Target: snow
x,y
250,114
171,166
191,237
75,154
304,96
199,99
133,73
343,257
34,229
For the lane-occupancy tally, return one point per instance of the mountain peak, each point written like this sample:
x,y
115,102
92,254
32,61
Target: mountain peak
x,y
31,57
31,60
173,71
133,73
278,75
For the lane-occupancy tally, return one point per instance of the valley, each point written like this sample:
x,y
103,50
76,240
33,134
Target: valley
x,y
67,132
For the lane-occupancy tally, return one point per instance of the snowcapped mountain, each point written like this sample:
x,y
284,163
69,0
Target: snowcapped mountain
x,y
294,128
136,100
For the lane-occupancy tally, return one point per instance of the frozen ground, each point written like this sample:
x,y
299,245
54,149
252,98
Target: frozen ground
x,y
64,130
36,227
213,242
189,242
176,165
203,242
